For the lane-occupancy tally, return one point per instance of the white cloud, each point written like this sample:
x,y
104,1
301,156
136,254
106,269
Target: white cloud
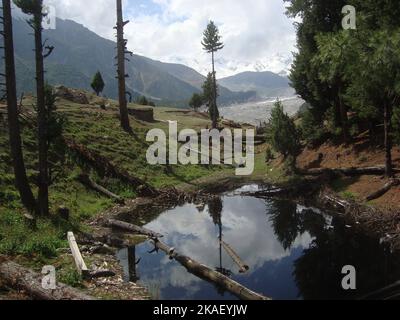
x,y
257,34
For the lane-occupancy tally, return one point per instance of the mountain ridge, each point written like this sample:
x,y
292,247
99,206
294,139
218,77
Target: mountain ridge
x,y
79,53
266,83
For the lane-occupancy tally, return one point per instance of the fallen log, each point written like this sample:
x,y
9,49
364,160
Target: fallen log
x,y
336,202
208,274
379,193
85,179
132,228
378,170
20,278
105,167
101,274
243,268
191,265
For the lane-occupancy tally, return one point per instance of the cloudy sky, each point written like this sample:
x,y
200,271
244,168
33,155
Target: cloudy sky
x,y
257,34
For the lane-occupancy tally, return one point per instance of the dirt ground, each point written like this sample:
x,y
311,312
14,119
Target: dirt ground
x,y
359,154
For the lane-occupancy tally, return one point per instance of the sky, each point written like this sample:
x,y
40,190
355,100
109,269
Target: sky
x,y
256,33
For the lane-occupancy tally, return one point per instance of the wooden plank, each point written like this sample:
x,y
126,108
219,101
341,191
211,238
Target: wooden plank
x,y
79,262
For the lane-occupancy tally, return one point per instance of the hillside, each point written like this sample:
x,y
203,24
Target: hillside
x,y
79,53
266,84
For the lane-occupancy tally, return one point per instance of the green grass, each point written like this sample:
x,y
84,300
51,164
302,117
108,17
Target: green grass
x,y
16,238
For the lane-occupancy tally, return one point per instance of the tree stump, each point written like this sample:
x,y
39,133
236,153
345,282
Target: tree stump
x,y
63,213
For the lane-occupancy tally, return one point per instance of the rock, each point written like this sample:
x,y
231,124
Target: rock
x,y
73,95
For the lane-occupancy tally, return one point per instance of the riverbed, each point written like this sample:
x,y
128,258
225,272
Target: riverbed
x,y
294,252
257,113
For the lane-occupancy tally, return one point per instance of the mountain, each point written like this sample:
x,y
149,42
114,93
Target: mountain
x,y
266,84
79,53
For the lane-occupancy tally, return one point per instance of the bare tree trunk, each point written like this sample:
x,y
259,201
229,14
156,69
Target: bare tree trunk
x,y
121,44
388,141
214,117
343,117
43,183
21,179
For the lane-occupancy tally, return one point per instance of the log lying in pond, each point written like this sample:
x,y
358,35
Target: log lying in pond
x,y
85,179
379,193
132,228
20,278
243,268
191,265
209,275
378,170
337,203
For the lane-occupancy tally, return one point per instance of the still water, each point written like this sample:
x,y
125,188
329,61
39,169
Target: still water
x,y
293,252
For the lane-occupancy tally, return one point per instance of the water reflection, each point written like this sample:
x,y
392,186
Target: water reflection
x,y
293,252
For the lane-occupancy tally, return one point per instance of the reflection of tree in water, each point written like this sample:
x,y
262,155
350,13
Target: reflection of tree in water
x,y
318,271
286,221
132,264
215,207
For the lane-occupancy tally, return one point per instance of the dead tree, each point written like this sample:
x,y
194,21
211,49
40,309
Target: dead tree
x,y
121,74
21,178
35,9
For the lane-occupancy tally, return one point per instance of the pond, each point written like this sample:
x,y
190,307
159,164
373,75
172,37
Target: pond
x,y
293,252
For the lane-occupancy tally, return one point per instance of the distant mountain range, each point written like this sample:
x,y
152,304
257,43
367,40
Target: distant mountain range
x,y
79,53
266,84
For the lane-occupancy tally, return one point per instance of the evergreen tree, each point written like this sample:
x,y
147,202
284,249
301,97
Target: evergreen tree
x,y
143,101
212,43
283,135
208,96
368,61
196,101
98,83
318,16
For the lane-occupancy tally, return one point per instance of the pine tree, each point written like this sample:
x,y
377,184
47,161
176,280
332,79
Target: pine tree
x,y
196,101
283,135
318,16
98,83
212,43
208,96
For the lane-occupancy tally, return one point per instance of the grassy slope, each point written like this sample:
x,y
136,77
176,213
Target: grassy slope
x,y
99,131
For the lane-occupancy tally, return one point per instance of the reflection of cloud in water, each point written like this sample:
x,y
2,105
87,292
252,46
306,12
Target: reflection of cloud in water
x,y
246,227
